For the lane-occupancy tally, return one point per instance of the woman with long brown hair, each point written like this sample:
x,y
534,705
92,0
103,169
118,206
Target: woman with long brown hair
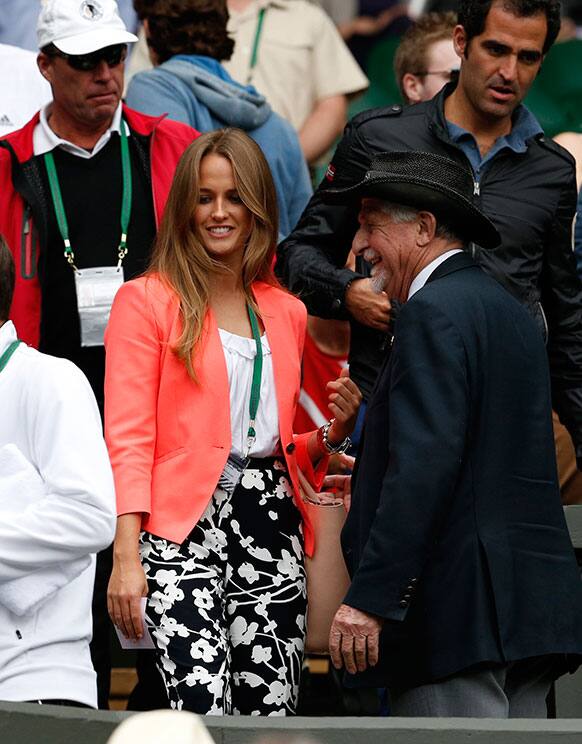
x,y
202,380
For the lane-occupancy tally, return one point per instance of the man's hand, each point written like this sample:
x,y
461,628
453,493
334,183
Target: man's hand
x,y
354,639
345,398
367,306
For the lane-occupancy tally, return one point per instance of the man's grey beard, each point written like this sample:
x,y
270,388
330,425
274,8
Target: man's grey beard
x,y
379,281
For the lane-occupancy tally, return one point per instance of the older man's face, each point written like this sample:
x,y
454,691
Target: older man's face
x,y
388,246
90,97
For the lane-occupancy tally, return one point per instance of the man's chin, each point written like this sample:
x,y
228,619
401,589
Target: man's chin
x,y
102,107
379,282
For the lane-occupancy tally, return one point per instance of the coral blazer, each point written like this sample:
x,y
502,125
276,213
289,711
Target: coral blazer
x,y
168,436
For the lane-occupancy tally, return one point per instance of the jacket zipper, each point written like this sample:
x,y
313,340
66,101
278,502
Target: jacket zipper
x,y
27,247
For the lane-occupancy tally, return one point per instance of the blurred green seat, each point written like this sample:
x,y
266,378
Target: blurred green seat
x,y
383,90
556,95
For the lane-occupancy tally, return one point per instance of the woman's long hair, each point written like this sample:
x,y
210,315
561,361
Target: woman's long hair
x,y
179,255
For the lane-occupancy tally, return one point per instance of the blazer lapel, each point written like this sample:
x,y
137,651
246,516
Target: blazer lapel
x,y
454,263
284,353
214,377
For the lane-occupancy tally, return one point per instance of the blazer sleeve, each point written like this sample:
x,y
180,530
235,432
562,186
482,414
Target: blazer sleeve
x,y
428,411
562,302
132,372
311,260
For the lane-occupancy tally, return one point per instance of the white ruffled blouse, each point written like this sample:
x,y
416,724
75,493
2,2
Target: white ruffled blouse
x,y
240,353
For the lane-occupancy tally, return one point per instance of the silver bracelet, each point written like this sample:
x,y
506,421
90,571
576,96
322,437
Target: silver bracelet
x,y
333,449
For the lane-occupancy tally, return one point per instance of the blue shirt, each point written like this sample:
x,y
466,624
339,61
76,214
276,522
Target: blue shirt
x,y
525,126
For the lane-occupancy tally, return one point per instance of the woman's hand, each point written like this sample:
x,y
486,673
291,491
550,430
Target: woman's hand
x,y
340,486
127,585
344,403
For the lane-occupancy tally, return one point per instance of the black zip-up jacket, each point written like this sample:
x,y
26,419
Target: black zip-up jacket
x,y
531,199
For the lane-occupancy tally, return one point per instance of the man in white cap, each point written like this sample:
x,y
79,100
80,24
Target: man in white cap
x,y
83,186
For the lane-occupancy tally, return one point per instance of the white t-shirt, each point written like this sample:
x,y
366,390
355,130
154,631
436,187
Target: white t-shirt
x,y
23,90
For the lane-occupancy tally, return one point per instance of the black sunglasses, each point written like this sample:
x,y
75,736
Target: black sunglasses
x,y
112,55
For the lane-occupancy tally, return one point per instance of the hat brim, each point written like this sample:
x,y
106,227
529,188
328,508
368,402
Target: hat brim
x,y
94,40
451,208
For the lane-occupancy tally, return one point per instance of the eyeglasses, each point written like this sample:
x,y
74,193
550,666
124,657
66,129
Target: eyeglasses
x,y
112,55
448,75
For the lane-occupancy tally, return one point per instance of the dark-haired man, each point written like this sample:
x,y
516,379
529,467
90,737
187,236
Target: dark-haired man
x,y
465,596
523,181
83,186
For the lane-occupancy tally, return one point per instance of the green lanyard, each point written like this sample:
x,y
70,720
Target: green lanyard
x,y
5,358
256,382
125,202
255,52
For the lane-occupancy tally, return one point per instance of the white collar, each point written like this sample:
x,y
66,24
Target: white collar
x,y
253,8
45,140
421,278
7,335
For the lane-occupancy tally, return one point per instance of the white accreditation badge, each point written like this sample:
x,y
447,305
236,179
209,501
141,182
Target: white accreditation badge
x,y
96,290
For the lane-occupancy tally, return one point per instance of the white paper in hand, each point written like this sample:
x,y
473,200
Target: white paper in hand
x,y
145,641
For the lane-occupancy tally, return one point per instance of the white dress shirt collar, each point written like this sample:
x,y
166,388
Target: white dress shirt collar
x,y
7,335
421,278
45,140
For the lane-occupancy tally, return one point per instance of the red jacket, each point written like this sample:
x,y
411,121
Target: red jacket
x,y
168,140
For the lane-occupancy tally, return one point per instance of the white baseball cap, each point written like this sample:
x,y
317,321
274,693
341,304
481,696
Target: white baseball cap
x,y
81,26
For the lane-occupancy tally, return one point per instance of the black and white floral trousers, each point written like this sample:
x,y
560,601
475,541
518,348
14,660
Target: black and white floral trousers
x,y
227,606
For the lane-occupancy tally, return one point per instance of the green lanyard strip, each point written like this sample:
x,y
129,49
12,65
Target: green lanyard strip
x,y
5,358
60,213
256,382
255,52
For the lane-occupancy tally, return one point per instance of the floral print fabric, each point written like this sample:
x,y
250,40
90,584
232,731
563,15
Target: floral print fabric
x,y
228,605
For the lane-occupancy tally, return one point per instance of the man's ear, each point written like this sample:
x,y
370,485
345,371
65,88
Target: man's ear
x,y
45,65
427,226
460,41
413,88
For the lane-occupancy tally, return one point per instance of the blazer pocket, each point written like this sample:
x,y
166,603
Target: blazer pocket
x,y
169,455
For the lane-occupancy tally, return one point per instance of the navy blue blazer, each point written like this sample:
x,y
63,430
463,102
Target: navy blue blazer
x,y
456,534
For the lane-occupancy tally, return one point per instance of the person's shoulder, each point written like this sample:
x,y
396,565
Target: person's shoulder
x,y
457,294
52,376
304,11
165,128
178,130
572,142
551,148
396,116
20,141
286,134
13,54
280,298
149,288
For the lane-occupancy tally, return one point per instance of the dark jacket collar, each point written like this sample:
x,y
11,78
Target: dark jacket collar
x,y
435,111
454,263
